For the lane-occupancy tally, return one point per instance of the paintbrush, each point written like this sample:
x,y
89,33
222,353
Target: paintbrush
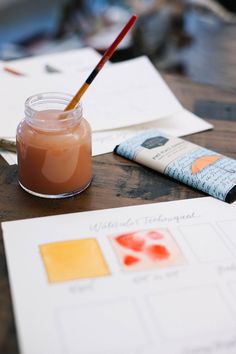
x,y
106,56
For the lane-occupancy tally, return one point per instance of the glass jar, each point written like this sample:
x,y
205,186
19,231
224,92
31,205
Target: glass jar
x,y
53,147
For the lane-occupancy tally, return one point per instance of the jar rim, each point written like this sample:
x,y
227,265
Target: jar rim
x,y
51,95
53,98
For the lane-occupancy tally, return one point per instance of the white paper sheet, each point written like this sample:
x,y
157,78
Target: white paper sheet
x,y
123,94
9,157
179,124
67,61
181,301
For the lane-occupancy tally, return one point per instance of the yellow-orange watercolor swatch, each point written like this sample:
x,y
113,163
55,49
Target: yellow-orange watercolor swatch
x,y
74,259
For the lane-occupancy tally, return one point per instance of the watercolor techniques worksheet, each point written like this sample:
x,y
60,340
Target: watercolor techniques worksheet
x,y
156,278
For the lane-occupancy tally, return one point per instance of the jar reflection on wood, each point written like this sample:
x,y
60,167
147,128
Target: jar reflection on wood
x,y
53,147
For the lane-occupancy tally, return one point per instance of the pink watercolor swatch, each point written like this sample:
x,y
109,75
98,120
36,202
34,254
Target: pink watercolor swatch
x,y
145,249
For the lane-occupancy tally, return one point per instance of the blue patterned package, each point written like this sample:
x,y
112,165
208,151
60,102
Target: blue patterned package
x,y
203,169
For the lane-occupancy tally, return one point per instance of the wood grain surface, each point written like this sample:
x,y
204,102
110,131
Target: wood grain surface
x,y
116,182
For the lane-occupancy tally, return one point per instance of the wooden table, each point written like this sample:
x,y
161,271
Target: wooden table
x,y
117,182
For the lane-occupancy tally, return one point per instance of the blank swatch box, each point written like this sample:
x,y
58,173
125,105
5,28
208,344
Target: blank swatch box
x,y
74,259
205,242
114,327
227,226
192,312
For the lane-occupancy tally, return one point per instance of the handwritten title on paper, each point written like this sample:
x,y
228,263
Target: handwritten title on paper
x,y
145,220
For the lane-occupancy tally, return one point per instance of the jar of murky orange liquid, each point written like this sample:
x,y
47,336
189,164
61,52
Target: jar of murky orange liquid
x,y
53,147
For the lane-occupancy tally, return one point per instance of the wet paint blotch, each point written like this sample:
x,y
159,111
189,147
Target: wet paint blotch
x,y
131,241
130,260
155,235
157,252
